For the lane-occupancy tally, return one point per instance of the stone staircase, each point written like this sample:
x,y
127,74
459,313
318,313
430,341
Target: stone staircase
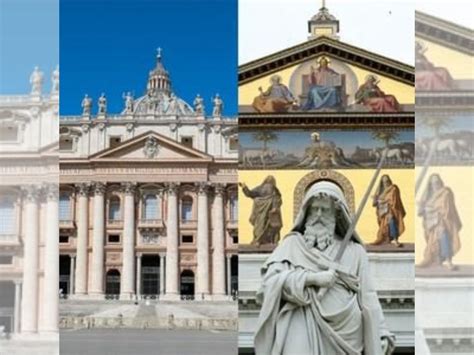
x,y
78,314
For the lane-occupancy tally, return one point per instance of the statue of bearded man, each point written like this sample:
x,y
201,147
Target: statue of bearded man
x,y
293,320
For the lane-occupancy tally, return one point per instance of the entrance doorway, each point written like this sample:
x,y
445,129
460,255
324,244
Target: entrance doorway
x,y
112,282
7,305
187,284
150,275
234,275
65,275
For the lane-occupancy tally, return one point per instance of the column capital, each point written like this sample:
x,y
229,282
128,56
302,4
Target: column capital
x,y
172,188
219,189
99,188
31,192
83,189
51,191
202,187
129,188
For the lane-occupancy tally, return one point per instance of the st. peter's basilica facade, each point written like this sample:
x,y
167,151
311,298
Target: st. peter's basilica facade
x,y
148,198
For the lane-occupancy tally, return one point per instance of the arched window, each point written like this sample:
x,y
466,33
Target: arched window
x,y
65,207
234,208
187,208
151,207
7,215
114,208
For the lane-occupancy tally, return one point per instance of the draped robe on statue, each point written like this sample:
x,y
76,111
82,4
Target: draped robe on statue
x,y
347,320
324,91
442,224
390,214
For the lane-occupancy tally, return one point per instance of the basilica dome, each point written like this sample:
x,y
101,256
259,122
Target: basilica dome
x,y
159,98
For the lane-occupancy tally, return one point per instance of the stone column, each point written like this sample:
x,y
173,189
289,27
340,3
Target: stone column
x,y
139,275
51,262
82,239
229,275
29,300
97,285
202,285
127,283
172,259
218,243
17,309
72,272
162,274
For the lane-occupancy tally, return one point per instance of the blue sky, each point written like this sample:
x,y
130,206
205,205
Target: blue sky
x,y
110,46
29,36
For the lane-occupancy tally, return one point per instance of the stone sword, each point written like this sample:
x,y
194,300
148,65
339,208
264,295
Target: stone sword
x,y
322,291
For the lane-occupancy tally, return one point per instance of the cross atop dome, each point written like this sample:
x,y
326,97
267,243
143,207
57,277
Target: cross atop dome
x,y
323,24
159,79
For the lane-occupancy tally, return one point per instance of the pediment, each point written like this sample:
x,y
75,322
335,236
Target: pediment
x,y
349,67
315,48
153,147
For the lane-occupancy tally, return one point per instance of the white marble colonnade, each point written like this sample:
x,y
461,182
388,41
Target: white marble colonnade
x,y
209,282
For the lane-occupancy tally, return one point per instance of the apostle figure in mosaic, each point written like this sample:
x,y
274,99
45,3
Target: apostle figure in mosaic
x,y
390,212
277,98
325,87
266,214
295,317
86,105
370,95
428,77
441,223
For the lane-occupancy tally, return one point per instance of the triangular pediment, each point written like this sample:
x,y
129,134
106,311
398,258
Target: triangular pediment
x,y
327,46
152,147
348,72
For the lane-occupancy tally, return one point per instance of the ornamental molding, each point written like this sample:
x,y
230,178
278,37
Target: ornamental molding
x,y
329,175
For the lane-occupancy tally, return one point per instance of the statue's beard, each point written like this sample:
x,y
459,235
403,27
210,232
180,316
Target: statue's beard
x,y
319,232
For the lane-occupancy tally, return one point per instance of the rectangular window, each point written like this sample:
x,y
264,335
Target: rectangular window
x,y
64,207
8,134
187,239
113,238
6,259
7,216
187,209
187,141
64,239
235,239
114,141
66,144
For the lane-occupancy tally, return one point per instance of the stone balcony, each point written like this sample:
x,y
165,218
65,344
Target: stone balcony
x,y
115,223
66,224
151,225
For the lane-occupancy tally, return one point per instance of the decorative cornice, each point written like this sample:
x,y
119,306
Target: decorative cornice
x,y
333,120
444,33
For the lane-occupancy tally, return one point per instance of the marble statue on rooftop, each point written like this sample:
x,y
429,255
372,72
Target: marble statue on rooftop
x,y
36,81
